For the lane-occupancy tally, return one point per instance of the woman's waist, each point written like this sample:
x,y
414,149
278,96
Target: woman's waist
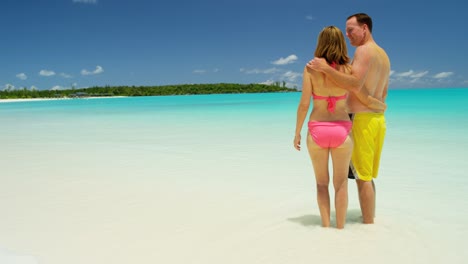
x,y
325,116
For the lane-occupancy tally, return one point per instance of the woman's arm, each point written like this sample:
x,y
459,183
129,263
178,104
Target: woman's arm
x,y
303,107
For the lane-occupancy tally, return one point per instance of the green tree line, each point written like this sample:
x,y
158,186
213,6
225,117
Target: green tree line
x,y
182,89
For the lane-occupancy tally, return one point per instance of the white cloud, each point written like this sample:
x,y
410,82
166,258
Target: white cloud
x,y
98,70
8,87
419,75
413,78
283,61
56,87
202,71
46,73
277,75
21,76
85,1
405,74
442,75
287,84
310,18
291,76
64,75
33,88
259,71
268,82
410,74
270,71
291,85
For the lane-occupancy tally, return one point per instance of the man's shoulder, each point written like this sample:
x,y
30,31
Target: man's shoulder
x,y
363,53
370,51
368,47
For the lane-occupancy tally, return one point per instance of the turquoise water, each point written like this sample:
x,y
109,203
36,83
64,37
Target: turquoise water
x,y
420,109
418,117
427,102
413,116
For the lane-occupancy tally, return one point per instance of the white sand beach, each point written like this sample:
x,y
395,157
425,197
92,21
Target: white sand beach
x,y
200,211
125,193
29,99
49,99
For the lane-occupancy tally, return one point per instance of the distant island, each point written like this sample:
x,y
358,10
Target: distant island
x,y
182,89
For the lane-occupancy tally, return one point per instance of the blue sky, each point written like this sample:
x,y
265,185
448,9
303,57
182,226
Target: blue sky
x,y
57,44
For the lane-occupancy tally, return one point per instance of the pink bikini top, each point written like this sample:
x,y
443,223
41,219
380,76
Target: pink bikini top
x,y
330,99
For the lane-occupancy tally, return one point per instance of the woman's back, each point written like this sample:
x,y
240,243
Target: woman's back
x,y
329,100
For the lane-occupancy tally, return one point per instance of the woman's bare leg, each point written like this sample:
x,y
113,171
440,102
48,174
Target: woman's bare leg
x,y
341,157
319,157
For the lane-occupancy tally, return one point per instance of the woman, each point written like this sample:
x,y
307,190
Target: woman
x,y
329,124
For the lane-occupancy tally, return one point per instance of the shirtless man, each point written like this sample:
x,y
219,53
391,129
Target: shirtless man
x,y
370,71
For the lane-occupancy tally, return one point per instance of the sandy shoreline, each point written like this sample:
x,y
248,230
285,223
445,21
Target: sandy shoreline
x,y
50,99
30,100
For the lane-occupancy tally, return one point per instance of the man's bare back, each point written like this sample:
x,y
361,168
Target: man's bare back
x,y
377,76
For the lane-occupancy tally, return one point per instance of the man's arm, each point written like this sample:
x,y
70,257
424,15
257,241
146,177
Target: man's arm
x,y
385,92
369,101
352,82
373,102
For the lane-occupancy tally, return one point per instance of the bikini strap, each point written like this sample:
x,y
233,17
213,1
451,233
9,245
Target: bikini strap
x,y
330,99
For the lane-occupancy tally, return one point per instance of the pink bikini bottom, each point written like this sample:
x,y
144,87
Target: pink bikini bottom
x,y
329,134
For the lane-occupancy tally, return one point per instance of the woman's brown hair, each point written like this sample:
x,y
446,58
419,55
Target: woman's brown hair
x,y
331,46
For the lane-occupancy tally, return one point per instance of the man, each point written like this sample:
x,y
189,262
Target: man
x,y
370,73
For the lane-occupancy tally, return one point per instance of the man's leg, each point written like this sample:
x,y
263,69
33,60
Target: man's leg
x,y
366,191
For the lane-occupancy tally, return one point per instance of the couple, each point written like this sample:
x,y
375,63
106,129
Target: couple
x,y
347,119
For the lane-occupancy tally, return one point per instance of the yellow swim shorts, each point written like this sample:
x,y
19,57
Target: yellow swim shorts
x,y
368,134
